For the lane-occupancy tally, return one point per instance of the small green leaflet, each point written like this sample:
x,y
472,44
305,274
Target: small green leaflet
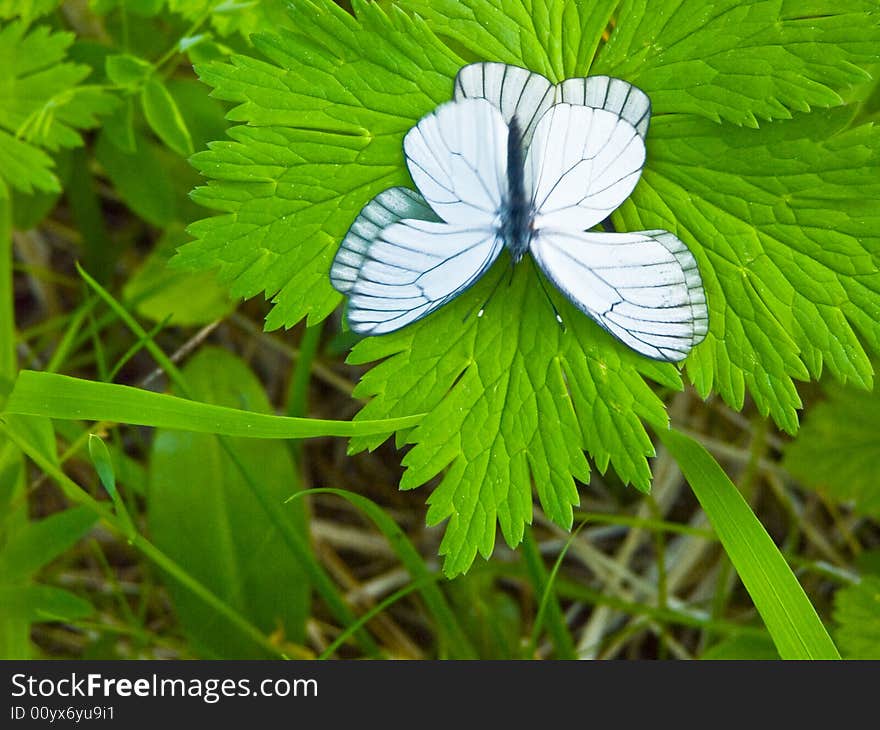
x,y
777,218
42,105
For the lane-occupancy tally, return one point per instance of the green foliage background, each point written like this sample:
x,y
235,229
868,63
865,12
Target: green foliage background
x,y
762,156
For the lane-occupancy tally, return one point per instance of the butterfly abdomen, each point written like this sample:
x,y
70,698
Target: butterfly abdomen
x,y
516,215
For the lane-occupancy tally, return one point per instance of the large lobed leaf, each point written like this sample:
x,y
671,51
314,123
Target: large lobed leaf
x,y
777,217
782,224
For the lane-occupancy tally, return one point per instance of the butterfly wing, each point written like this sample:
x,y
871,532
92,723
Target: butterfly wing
x,y
515,91
527,95
413,267
581,165
644,288
457,156
390,206
613,95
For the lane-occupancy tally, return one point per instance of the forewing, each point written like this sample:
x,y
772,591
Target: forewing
x,y
412,268
613,95
581,165
457,156
514,90
644,287
390,206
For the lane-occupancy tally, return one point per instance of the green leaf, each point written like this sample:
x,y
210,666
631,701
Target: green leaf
x,y
141,177
777,218
27,9
164,117
27,549
181,298
201,514
837,450
118,128
41,541
100,456
740,61
788,614
126,70
103,464
38,603
553,38
144,8
43,104
724,59
236,16
60,396
857,612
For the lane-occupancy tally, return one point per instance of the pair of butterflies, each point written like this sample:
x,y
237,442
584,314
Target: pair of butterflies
x,y
514,160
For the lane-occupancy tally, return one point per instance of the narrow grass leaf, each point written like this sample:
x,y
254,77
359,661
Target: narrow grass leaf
x,y
60,396
549,611
100,456
788,614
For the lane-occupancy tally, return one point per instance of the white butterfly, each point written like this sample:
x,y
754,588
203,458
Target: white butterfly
x,y
517,161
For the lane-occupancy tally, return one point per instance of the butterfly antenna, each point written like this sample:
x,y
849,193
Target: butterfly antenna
x,y
486,301
550,302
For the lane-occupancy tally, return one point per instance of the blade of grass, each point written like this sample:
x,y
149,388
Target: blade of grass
x,y
643,523
790,618
298,390
577,591
548,608
376,610
8,360
63,397
14,633
458,645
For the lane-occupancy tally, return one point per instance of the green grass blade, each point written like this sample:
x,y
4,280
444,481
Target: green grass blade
x,y
788,614
60,396
14,630
549,610
458,645
375,611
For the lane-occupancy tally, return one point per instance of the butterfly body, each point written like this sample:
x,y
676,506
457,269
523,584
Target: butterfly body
x,y
517,213
516,162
